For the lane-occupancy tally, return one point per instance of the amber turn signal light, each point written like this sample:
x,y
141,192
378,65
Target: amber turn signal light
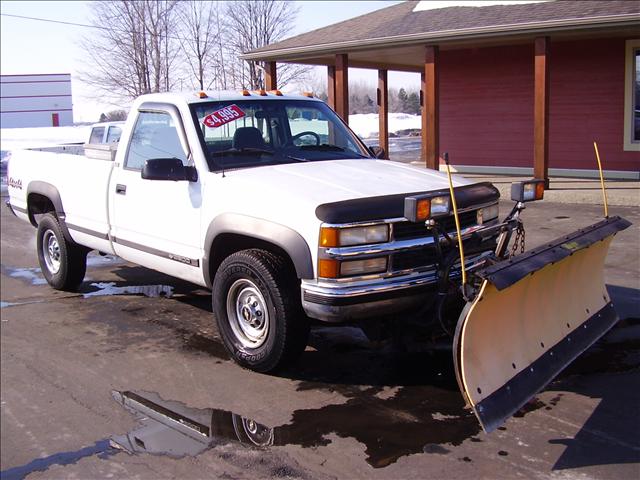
x,y
328,268
329,237
423,209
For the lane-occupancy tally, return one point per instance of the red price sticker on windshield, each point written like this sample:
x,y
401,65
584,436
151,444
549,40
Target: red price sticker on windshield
x,y
223,116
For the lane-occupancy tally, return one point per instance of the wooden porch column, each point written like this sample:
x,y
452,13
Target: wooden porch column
x,y
331,86
541,111
430,108
342,86
270,76
383,112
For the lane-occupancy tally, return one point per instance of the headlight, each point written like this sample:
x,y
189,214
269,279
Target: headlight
x,y
330,268
344,237
487,213
527,191
422,207
360,267
440,206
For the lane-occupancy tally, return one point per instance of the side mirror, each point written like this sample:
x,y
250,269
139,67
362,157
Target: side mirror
x,y
168,169
377,152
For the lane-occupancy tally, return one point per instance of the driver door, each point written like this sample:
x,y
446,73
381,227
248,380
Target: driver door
x,y
156,223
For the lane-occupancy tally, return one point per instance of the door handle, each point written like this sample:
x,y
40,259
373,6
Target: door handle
x,y
121,189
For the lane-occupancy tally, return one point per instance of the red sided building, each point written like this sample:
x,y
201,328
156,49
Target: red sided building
x,y
523,88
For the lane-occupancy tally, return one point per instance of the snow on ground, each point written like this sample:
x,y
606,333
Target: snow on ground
x,y
366,124
18,138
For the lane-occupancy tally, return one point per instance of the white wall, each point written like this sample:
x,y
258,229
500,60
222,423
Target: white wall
x,y
31,100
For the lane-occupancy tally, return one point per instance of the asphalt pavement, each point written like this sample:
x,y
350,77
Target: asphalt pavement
x,y
128,379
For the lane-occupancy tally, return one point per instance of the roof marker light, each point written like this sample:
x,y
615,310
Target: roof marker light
x,y
276,92
262,92
245,93
308,94
202,94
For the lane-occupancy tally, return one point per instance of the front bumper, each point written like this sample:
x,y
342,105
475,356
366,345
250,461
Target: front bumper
x,y
376,297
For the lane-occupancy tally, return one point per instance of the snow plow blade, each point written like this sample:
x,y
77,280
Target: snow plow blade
x,y
532,316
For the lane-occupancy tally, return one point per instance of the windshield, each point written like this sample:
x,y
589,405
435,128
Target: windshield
x,y
252,133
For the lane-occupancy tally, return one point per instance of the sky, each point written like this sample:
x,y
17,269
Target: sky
x,y
29,46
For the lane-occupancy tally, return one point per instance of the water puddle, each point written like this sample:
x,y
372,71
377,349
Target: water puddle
x,y
110,288
410,422
30,275
33,275
102,449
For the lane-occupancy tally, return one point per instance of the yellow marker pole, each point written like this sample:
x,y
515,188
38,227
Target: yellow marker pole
x,y
455,216
604,190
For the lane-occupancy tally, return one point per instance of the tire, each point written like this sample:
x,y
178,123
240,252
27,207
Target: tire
x,y
63,263
256,301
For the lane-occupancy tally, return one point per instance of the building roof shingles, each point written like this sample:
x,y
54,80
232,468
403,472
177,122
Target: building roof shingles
x,y
400,20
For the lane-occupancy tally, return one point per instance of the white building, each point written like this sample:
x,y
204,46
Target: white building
x,y
40,100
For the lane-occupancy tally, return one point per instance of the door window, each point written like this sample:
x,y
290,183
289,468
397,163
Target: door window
x,y
96,135
154,136
114,134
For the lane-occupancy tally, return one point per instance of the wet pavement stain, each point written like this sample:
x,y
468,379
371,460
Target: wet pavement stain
x,y
408,423
32,276
196,342
101,448
531,406
606,357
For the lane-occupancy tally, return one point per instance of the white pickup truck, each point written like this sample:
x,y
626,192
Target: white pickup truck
x,y
275,205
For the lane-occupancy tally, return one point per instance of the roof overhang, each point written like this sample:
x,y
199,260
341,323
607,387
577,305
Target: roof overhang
x,y
319,54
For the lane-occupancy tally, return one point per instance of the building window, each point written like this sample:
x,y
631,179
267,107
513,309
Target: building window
x,y
632,96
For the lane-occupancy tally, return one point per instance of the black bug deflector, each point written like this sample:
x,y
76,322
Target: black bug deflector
x,y
532,316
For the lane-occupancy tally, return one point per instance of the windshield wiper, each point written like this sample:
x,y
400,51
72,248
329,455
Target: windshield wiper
x,y
244,150
326,147
297,159
323,146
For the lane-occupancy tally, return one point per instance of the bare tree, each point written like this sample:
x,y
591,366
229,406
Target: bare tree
x,y
142,46
201,40
132,49
254,24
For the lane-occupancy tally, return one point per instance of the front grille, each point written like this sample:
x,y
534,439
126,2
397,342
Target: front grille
x,y
410,230
426,256
413,259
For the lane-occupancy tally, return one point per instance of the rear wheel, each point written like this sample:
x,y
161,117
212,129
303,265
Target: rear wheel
x,y
63,263
257,306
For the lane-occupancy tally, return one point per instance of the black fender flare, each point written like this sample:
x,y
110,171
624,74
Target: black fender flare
x,y
293,244
47,190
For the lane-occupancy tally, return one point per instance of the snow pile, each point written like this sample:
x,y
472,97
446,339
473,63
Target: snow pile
x,y
36,137
366,124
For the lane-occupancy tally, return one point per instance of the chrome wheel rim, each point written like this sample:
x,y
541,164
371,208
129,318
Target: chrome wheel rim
x,y
51,251
259,434
247,313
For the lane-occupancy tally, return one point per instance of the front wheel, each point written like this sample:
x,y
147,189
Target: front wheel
x,y
258,312
63,263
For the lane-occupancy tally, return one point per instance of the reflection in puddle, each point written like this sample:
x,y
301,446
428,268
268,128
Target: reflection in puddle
x,y
110,288
408,423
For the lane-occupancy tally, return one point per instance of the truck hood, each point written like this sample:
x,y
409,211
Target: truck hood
x,y
336,180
